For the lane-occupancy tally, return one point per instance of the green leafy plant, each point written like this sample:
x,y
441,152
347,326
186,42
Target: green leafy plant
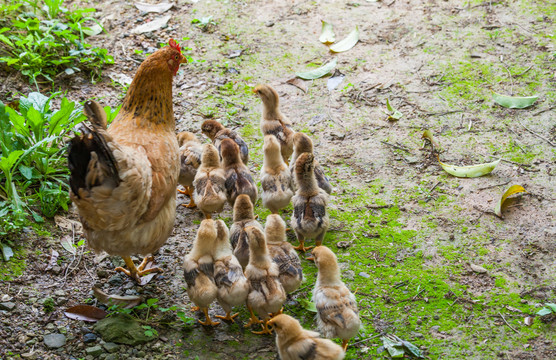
x,y
549,308
206,24
42,39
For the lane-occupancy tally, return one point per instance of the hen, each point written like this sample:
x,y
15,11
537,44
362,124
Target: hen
x,y
301,144
238,177
309,219
266,294
243,217
123,180
273,122
209,185
337,313
216,132
295,343
283,253
276,178
190,160
198,268
228,274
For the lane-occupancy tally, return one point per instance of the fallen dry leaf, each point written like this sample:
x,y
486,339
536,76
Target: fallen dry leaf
x,y
67,224
298,83
67,243
514,189
126,302
85,312
427,134
152,25
528,321
472,171
154,8
52,260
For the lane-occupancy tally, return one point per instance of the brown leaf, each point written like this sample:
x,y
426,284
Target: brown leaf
x,y
85,312
67,224
126,302
67,243
298,83
52,260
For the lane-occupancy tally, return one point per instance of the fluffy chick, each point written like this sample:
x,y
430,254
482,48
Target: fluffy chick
x,y
302,144
228,274
309,219
276,178
295,343
243,217
238,177
216,132
273,122
337,313
198,269
190,160
283,253
209,183
266,293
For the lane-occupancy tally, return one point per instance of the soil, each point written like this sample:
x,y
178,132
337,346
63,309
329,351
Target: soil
x,y
438,63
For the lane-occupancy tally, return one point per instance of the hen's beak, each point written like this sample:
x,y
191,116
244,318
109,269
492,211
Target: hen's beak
x,y
183,60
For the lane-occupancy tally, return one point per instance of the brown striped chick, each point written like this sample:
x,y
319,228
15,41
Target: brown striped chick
x,y
302,144
238,177
295,343
309,219
216,132
209,185
276,178
190,160
243,217
273,122
266,293
199,270
337,313
228,274
283,253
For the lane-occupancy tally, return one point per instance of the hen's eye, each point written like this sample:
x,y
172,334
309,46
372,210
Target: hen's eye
x,y
176,57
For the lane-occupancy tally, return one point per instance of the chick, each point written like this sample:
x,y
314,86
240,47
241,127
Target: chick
x,y
276,178
302,144
228,274
216,132
190,160
309,219
283,253
266,294
238,177
273,122
198,269
295,343
243,217
209,183
337,314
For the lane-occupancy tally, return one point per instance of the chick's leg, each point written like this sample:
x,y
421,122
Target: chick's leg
x,y
277,313
253,320
228,317
134,272
345,344
318,242
301,246
266,329
208,322
191,204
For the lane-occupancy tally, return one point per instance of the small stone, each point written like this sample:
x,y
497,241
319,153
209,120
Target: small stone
x,y
54,341
111,357
101,273
436,317
111,347
418,335
365,275
269,23
478,269
94,350
29,355
89,337
56,270
115,280
419,322
141,354
60,293
435,328
50,326
8,306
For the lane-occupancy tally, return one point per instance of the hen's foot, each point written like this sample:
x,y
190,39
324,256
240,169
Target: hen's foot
x,y
195,308
136,272
228,317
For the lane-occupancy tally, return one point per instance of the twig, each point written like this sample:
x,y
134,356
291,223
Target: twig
x,y
419,293
443,113
537,135
493,186
523,166
369,338
503,318
525,71
509,73
395,146
545,110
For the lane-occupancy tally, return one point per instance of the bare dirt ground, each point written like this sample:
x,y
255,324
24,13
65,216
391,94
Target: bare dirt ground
x,y
413,231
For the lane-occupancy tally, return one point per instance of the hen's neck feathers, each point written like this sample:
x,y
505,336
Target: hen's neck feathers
x,y
149,97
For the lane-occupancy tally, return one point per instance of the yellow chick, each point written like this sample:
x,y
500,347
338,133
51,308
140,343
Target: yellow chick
x,y
309,219
337,313
238,177
243,217
295,343
198,269
273,122
283,253
228,274
276,178
209,183
266,294
190,160
302,144
216,132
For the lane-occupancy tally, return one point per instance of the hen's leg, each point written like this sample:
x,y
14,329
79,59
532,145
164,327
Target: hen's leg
x,y
134,272
208,322
228,317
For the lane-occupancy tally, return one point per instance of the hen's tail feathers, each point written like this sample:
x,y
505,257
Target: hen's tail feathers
x,y
90,160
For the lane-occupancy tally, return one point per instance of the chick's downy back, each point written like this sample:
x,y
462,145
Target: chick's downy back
x,y
238,177
303,144
209,183
276,178
216,132
243,217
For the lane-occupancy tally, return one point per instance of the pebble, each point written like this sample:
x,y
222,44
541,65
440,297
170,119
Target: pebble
x,y
419,322
436,317
94,350
101,273
365,275
54,341
115,280
56,270
8,306
435,328
60,293
418,335
111,357
50,326
111,347
89,337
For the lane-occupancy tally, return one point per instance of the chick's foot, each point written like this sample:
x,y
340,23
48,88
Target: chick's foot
x,y
228,317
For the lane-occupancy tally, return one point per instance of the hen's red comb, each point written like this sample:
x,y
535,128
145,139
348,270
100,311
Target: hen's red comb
x,y
174,44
